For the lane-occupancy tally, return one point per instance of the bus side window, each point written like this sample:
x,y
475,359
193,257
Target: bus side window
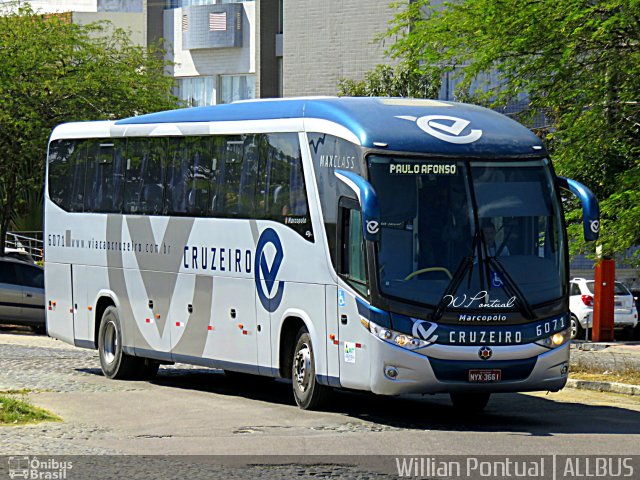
x,y
177,176
78,164
282,192
104,176
60,170
145,176
352,262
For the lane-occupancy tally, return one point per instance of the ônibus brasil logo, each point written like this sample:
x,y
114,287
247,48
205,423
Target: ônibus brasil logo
x,y
445,128
265,275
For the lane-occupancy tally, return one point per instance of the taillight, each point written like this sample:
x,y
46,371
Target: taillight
x,y
587,300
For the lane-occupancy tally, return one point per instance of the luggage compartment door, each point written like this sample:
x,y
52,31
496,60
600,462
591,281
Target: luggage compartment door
x,y
59,301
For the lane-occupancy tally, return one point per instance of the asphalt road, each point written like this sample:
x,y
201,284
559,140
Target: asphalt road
x,y
194,411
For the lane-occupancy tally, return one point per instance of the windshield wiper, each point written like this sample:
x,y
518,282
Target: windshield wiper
x,y
465,264
512,289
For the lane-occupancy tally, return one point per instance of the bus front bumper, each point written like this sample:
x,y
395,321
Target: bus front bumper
x,y
418,373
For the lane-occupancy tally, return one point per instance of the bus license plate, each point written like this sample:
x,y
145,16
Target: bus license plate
x,y
485,376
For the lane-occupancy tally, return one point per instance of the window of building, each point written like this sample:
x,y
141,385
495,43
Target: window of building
x,y
218,22
196,91
237,87
191,3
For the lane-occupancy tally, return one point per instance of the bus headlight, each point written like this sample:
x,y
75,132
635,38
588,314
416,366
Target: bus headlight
x,y
395,338
556,340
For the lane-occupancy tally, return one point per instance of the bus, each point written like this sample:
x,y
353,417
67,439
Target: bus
x,y
387,245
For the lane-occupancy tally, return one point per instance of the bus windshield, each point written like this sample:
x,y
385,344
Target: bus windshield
x,y
468,234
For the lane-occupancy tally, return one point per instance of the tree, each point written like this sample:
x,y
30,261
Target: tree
x,y
405,79
52,72
578,61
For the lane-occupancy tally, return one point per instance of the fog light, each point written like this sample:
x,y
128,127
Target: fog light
x,y
391,372
564,370
402,340
557,339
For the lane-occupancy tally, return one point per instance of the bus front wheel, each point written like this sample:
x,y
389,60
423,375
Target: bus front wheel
x,y
309,394
114,362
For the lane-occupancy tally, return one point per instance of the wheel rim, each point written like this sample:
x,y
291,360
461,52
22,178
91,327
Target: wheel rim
x,y
302,367
574,328
110,342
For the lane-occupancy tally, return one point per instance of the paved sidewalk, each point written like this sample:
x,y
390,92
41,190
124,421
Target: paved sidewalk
x,y
612,357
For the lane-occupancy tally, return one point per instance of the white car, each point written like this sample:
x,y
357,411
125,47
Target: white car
x,y
581,306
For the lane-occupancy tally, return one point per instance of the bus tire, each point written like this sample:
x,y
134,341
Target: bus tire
x,y
114,362
470,402
308,393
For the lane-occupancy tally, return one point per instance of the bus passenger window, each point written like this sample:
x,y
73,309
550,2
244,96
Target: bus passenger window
x,y
145,176
104,177
60,170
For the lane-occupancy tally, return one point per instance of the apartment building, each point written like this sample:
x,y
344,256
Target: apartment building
x,y
130,15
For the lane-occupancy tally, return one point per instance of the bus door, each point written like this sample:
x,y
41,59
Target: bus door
x,y
353,337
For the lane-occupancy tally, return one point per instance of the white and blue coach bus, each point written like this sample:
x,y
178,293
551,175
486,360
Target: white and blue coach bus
x,y
387,245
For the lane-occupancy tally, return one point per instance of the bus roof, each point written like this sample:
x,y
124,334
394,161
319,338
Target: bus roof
x,y
396,124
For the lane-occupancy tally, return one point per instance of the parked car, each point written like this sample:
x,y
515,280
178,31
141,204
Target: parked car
x,y
625,314
18,254
22,294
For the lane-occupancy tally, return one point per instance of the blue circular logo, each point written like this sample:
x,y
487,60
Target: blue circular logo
x,y
270,300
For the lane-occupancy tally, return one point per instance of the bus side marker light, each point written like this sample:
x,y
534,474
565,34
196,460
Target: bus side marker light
x,y
332,337
358,345
179,324
71,310
210,327
240,326
54,303
90,307
157,315
148,320
245,332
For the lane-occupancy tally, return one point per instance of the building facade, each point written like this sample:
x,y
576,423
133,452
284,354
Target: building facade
x,y
129,15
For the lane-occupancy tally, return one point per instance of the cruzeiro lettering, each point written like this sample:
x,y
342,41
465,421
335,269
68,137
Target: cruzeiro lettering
x,y
423,168
217,259
485,336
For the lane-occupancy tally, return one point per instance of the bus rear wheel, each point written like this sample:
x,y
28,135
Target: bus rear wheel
x,y
308,393
114,362
470,402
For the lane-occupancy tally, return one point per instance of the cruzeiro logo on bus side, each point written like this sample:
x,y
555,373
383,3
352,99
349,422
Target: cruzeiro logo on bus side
x,y
262,271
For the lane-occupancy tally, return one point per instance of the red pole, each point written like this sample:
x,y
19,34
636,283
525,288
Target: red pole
x,y
603,300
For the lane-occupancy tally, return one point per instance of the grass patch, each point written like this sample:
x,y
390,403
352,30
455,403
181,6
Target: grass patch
x,y
596,374
14,411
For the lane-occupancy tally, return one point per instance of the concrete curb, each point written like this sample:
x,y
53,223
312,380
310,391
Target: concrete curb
x,y
611,387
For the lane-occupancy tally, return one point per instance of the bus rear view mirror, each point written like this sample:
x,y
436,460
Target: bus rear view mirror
x,y
590,208
368,203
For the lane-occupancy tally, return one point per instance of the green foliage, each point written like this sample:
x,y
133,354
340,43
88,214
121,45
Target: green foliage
x,y
579,63
403,80
52,72
18,412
